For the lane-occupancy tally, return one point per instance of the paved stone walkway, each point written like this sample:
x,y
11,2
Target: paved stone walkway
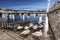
x,y
9,35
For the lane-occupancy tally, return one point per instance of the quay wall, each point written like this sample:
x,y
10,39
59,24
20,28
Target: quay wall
x,y
54,22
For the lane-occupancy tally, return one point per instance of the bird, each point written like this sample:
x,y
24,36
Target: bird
x,y
25,32
26,27
20,27
40,26
37,33
35,27
31,24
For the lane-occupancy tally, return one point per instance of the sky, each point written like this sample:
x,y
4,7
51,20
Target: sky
x,y
25,4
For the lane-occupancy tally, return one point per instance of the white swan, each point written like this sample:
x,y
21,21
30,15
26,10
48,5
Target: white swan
x,y
19,27
31,24
37,33
25,32
26,27
35,27
40,26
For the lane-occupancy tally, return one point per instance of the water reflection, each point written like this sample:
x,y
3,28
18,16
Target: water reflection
x,y
19,17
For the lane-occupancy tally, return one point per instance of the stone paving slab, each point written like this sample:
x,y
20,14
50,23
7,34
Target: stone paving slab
x,y
5,36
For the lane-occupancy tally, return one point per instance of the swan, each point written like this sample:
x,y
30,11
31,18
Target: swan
x,y
20,27
37,33
26,27
35,27
25,32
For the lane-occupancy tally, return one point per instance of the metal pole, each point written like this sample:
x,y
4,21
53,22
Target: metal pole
x,y
46,28
23,17
48,6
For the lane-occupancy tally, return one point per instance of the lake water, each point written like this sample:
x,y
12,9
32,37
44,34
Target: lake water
x,y
26,18
20,18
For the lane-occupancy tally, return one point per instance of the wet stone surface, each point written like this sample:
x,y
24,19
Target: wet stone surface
x,y
12,36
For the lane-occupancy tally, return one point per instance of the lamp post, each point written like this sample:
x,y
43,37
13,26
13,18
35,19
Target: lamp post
x,y
46,28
